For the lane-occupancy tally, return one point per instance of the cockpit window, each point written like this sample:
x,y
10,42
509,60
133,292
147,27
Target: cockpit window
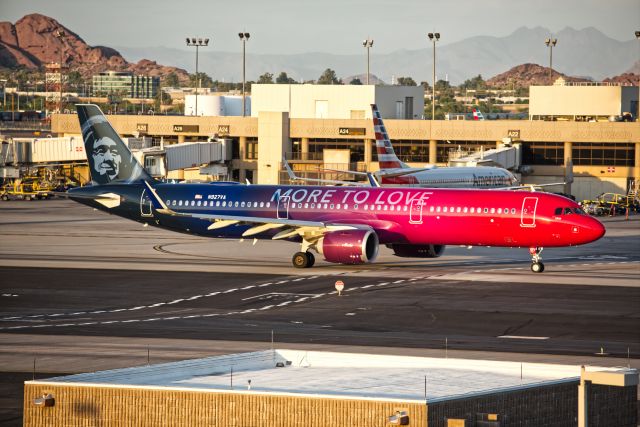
x,y
558,211
579,211
568,211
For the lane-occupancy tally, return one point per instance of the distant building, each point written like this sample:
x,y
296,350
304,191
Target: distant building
x,y
583,101
125,84
338,101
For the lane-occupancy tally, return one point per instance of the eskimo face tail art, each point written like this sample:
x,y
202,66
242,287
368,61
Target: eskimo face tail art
x,y
109,158
345,225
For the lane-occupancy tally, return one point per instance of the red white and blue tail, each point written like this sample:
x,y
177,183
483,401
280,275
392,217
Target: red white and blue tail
x,y
387,158
477,114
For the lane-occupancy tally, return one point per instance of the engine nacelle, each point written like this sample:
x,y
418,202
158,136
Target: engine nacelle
x,y
349,246
417,251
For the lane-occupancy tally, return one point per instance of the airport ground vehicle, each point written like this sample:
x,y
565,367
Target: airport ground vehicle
x,y
611,204
26,189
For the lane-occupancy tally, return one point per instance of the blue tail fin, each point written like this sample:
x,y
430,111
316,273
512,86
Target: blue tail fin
x,y
109,158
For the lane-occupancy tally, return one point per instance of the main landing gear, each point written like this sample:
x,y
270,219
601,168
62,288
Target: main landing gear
x,y
536,260
303,260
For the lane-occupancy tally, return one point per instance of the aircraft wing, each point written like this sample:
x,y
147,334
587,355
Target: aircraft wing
x,y
310,231
396,173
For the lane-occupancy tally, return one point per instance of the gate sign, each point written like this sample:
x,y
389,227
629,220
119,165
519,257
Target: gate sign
x,y
339,286
513,133
223,130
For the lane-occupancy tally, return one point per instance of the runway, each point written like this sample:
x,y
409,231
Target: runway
x,y
82,290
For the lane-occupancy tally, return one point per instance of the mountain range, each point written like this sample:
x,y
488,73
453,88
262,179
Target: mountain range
x,y
31,42
584,53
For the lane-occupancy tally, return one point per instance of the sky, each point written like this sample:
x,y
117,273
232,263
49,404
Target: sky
x,y
333,26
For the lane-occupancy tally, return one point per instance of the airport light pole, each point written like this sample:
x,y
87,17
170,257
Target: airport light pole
x,y
60,34
550,44
197,42
368,44
434,37
638,116
244,37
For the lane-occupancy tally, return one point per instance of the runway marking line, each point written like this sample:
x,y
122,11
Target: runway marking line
x,y
522,337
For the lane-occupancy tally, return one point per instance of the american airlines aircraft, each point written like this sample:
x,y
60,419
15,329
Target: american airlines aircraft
x,y
394,172
345,225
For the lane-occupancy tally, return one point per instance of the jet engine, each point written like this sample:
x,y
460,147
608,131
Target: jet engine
x,y
417,251
349,246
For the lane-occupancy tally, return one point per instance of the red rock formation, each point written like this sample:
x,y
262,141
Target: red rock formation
x,y
32,42
525,75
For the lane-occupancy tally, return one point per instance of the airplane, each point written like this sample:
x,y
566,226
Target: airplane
x,y
394,172
346,225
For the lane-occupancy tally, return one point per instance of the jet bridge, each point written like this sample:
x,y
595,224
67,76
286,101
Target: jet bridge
x,y
209,156
506,156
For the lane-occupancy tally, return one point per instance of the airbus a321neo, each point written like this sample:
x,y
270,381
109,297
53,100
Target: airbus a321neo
x,y
344,224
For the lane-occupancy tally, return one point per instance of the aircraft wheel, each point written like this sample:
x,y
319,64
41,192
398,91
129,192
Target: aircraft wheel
x,y
537,267
5,197
311,259
300,260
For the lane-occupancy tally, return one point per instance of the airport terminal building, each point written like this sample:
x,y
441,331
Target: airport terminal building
x,y
316,126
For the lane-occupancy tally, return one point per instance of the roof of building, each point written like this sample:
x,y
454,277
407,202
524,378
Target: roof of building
x,y
329,374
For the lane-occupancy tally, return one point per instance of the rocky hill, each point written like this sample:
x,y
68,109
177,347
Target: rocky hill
x,y
525,75
31,43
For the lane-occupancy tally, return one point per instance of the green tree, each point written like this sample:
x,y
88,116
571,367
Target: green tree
x,y
475,83
171,80
406,81
329,78
355,81
266,78
283,78
205,80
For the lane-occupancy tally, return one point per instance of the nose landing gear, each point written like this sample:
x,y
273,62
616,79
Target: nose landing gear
x,y
536,260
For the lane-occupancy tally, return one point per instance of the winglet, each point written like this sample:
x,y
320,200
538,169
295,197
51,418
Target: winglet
x,y
156,201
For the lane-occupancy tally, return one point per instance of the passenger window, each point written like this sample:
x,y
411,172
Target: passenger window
x,y
499,210
465,210
486,210
242,205
404,208
268,204
345,206
199,203
313,205
513,210
354,206
306,205
558,211
262,204
366,207
385,207
236,204
493,210
431,209
331,206
438,209
173,203
224,204
444,209
473,210
458,209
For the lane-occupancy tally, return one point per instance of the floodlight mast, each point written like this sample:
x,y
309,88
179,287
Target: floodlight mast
x,y
368,44
197,42
434,37
244,37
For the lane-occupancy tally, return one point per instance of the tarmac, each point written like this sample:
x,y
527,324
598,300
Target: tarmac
x,y
82,290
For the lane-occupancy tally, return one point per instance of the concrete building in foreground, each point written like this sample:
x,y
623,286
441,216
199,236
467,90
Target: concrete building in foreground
x,y
310,388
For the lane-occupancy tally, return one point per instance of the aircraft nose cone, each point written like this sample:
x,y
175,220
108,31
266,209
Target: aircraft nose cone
x,y
595,229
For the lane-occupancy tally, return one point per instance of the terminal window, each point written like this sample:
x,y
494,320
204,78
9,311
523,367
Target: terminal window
x,y
543,153
603,154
